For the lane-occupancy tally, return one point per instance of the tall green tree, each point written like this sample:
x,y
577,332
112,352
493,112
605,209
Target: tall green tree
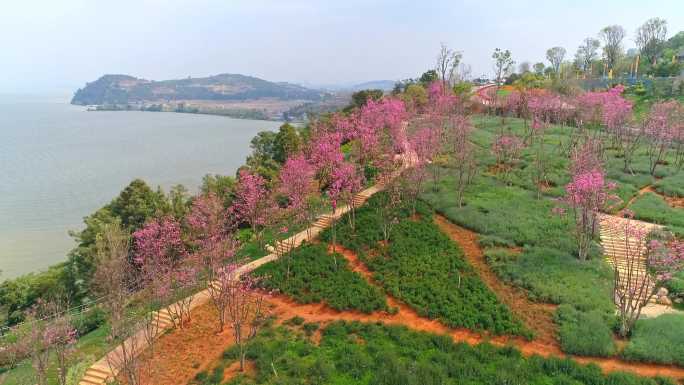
x,y
287,142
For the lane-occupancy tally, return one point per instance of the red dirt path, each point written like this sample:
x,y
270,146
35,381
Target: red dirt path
x,y
536,316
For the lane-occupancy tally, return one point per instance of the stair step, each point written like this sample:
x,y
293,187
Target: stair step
x,y
93,380
102,371
96,374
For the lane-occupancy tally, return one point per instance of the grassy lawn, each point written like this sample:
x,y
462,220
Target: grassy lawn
x,y
360,353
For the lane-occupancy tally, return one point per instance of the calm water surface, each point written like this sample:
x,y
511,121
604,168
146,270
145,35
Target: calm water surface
x,y
59,163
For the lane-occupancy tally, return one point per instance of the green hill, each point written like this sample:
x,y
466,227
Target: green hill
x,y
125,89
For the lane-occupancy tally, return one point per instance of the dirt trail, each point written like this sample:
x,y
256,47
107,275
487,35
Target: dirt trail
x,y
286,308
642,191
181,354
536,316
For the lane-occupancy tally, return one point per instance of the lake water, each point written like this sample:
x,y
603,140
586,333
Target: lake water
x,y
59,163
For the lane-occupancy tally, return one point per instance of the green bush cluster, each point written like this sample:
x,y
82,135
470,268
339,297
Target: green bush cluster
x,y
672,185
316,275
89,320
360,353
658,340
652,208
676,285
509,212
424,268
584,332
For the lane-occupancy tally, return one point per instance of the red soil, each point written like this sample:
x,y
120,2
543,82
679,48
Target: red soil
x,y
197,348
675,202
181,354
536,316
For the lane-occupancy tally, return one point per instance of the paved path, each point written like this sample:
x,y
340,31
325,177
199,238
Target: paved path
x,y
619,251
108,367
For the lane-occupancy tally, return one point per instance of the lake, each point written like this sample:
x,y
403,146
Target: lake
x,y
59,163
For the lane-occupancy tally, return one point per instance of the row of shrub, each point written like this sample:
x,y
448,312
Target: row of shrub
x,y
362,353
514,216
312,274
424,268
507,211
658,339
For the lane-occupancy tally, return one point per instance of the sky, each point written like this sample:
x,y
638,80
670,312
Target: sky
x,y
58,45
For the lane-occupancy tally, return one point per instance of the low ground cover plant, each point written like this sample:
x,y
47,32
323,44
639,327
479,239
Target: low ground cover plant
x,y
318,276
424,268
652,208
360,353
657,340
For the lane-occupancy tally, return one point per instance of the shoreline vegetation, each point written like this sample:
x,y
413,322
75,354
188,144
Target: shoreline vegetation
x,y
235,113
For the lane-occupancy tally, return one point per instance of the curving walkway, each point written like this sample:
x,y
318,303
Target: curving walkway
x,y
109,366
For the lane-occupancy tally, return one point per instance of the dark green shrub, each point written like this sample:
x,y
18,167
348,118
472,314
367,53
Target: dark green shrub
x,y
584,333
424,268
658,339
317,276
89,320
297,320
310,327
360,353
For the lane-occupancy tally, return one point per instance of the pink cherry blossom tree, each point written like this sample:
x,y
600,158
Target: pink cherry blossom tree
x,y
544,108
614,112
462,152
441,101
346,182
506,148
211,229
252,201
168,270
424,144
246,311
662,129
297,183
62,336
325,154
115,279
587,194
646,261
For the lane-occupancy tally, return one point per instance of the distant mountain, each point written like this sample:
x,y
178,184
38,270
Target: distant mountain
x,y
125,89
385,85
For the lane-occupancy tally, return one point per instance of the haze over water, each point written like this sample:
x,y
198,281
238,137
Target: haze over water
x,y
59,163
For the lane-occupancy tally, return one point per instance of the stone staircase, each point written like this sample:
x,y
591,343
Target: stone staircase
x,y
96,375
100,372
619,251
324,221
360,199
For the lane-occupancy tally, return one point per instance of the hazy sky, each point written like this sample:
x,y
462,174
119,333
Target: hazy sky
x,y
57,45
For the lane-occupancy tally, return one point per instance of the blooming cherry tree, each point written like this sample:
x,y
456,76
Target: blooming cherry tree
x,y
252,201
587,194
646,262
506,148
663,128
